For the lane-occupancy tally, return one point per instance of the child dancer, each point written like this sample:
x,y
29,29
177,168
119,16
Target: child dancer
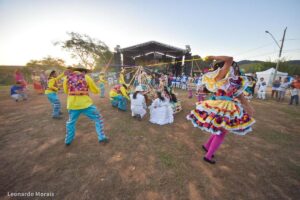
x,y
102,81
77,86
51,93
138,103
223,114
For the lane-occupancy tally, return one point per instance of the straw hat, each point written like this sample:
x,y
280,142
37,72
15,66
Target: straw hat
x,y
80,68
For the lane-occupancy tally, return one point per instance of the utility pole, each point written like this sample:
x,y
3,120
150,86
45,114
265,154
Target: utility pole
x,y
280,51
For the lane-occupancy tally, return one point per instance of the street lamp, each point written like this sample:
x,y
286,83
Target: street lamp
x,y
280,50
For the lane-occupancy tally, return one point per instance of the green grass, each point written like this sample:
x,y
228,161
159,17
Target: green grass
x,y
276,137
167,160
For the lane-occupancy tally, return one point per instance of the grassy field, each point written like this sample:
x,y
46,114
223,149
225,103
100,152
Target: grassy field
x,y
146,161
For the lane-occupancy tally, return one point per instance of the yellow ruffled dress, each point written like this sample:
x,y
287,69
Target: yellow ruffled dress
x,y
223,111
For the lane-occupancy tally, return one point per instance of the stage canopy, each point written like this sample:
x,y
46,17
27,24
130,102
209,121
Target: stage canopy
x,y
152,47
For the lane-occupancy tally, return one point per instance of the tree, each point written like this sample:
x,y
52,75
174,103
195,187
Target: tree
x,y
47,62
90,52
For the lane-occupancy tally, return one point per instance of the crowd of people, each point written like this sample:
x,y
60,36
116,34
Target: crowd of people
x,y
280,88
223,96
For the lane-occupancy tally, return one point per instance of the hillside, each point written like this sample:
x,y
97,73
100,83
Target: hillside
x,y
7,72
292,67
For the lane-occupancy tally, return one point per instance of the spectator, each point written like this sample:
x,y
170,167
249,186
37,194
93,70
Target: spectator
x,y
283,87
262,87
294,95
275,87
296,82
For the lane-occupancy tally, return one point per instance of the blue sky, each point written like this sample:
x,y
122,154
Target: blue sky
x,y
231,27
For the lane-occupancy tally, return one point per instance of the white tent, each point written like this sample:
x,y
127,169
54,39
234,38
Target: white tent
x,y
269,74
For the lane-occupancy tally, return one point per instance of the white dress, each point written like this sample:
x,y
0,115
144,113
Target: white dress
x,y
138,105
161,112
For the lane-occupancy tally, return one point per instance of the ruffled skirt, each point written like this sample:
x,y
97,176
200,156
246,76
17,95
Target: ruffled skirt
x,y
215,116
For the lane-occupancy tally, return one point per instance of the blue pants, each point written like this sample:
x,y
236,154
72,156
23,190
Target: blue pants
x,y
102,89
296,98
53,98
92,113
120,102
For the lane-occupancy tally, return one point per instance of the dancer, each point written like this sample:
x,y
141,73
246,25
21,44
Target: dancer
x,y
160,111
77,86
190,87
102,81
229,111
138,103
171,97
37,84
183,81
248,93
43,79
17,92
52,90
118,96
121,77
178,81
201,94
20,78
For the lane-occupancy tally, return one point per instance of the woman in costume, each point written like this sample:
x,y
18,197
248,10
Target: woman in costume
x,y
37,85
119,96
160,110
20,78
138,103
228,111
248,93
171,97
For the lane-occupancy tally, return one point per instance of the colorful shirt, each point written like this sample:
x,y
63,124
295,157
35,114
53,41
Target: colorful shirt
x,y
15,89
81,101
53,84
118,90
121,79
230,86
101,79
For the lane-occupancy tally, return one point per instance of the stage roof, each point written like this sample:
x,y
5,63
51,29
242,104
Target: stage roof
x,y
152,46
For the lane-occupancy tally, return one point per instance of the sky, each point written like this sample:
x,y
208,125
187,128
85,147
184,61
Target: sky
x,y
237,28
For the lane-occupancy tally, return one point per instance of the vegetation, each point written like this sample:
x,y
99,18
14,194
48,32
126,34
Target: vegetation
x,y
91,53
291,67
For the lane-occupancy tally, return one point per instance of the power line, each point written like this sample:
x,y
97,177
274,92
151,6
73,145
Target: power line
x,y
254,49
259,55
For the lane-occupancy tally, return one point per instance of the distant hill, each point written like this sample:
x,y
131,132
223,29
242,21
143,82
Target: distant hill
x,y
7,72
292,66
242,62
